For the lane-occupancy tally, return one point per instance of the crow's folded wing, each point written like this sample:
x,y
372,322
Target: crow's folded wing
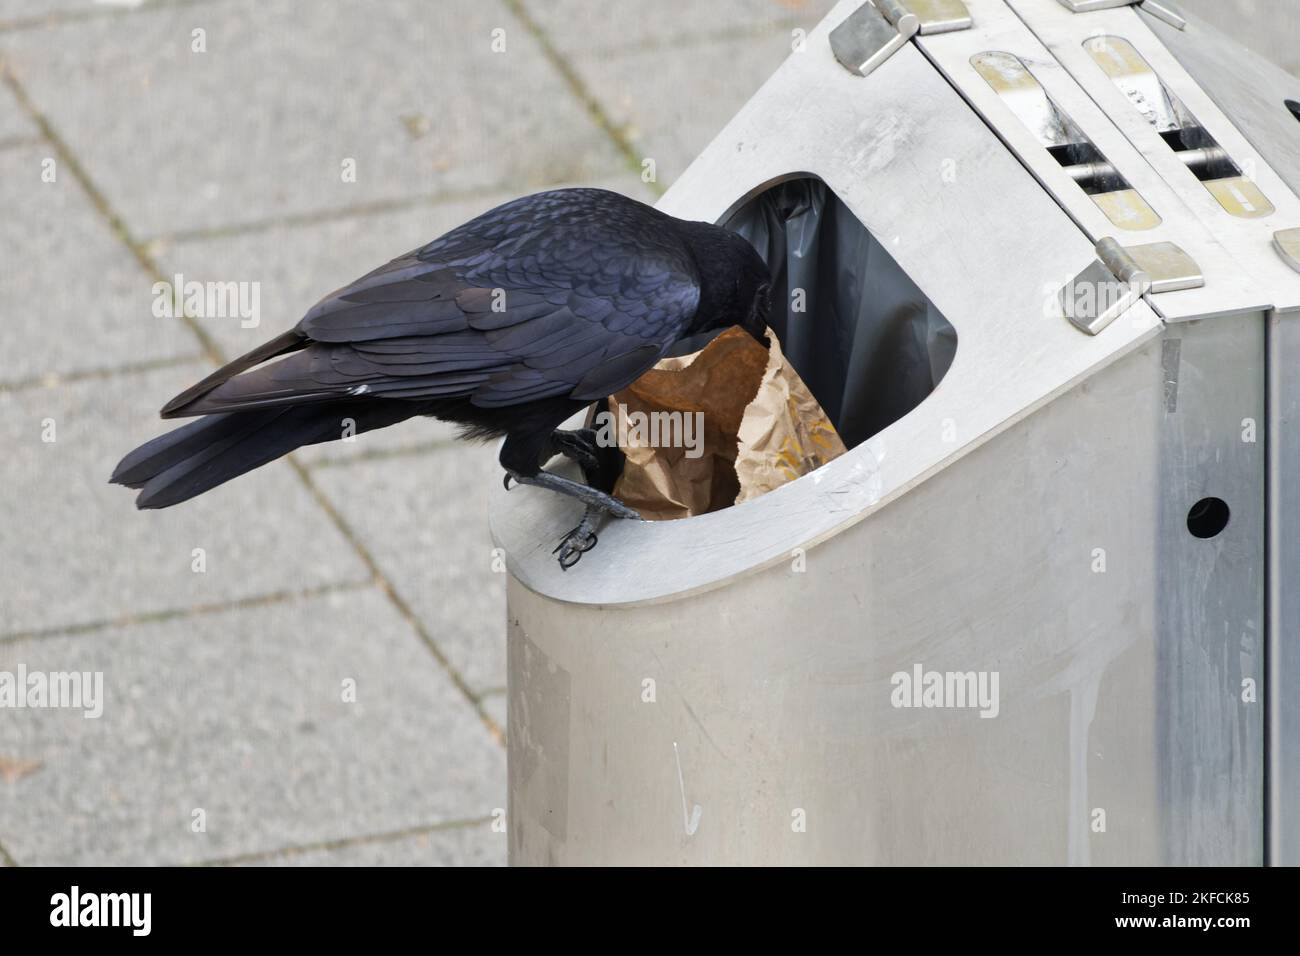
x,y
572,292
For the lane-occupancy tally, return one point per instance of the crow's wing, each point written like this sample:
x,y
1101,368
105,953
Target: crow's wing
x,y
571,292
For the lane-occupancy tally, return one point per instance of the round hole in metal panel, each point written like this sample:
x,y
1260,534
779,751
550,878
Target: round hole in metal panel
x,y
1208,517
1294,107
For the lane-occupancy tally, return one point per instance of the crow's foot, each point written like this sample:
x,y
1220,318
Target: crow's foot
x,y
580,540
578,445
574,489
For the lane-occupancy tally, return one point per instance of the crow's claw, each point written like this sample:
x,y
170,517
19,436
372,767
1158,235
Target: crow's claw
x,y
574,545
598,504
591,497
578,446
506,481
591,540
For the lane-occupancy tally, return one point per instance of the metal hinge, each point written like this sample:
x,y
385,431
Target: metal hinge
x,y
1118,277
871,34
1163,9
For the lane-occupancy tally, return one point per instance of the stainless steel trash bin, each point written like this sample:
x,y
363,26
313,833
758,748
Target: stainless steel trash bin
x,y
1041,617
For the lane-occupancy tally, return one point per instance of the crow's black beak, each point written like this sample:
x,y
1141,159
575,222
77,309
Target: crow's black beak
x,y
756,322
759,332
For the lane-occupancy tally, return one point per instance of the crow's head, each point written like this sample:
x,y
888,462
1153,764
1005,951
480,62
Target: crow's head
x,y
760,308
736,286
752,304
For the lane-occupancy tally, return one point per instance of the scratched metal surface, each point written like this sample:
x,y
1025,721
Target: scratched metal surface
x,y
1120,689
1122,735
1269,27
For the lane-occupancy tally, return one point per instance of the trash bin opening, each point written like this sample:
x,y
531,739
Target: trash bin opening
x,y
863,336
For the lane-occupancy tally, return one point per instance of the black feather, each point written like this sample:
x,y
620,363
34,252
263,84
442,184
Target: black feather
x,y
505,325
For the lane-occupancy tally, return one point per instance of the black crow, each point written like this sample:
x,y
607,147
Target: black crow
x,y
506,325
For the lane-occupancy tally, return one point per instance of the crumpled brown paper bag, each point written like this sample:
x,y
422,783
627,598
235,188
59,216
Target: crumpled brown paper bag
x,y
761,428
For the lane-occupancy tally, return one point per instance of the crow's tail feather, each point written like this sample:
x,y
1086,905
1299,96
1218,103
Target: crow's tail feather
x,y
211,450
290,341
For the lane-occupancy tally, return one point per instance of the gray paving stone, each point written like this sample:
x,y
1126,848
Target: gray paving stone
x,y
23,11
241,714
14,124
654,93
424,519
295,265
73,549
72,297
474,845
259,125
584,27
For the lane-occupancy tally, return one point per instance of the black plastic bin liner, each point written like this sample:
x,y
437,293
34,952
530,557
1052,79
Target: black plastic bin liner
x,y
868,343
